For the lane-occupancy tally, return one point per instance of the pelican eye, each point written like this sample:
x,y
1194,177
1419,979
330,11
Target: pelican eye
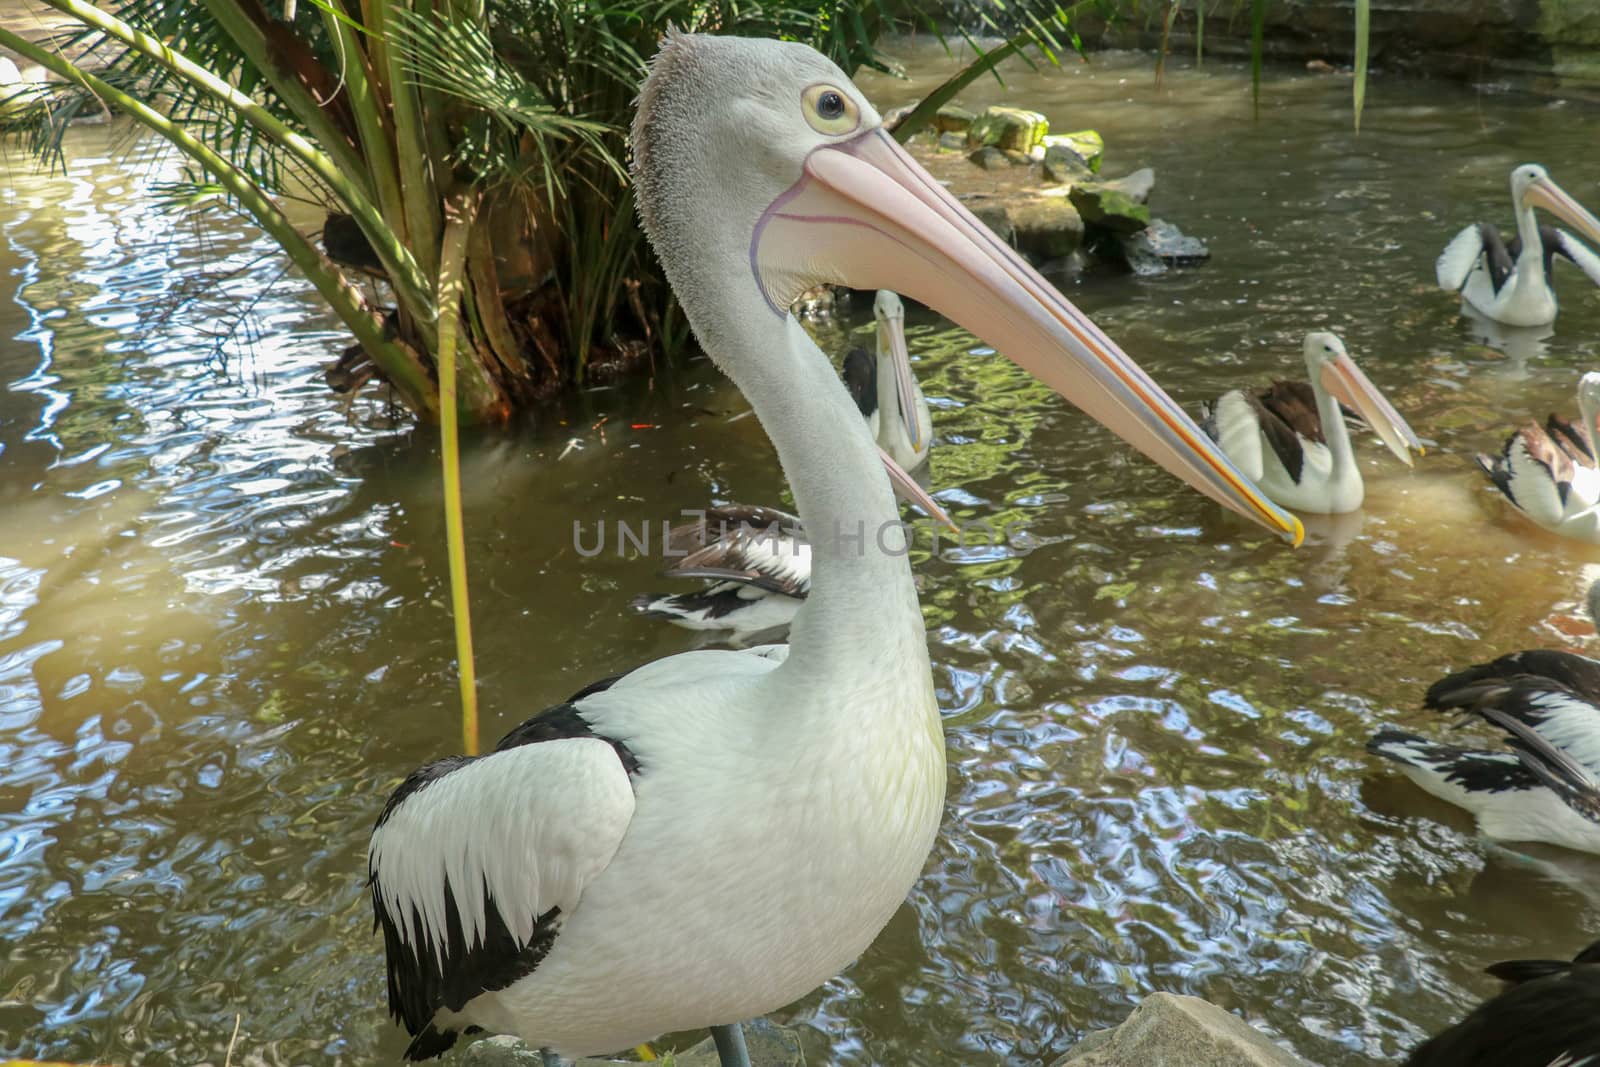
x,y
830,110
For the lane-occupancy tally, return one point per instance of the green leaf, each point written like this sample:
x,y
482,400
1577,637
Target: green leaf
x,y
1363,32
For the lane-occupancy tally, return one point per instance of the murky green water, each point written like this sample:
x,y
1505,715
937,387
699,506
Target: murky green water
x,y
223,632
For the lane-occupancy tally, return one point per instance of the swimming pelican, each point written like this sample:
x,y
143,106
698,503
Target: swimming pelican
x,y
713,835
1292,438
1549,702
1548,472
757,565
889,397
756,562
1545,1017
1511,283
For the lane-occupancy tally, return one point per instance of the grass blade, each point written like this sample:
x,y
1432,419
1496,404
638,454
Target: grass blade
x,y
1258,33
1363,32
459,211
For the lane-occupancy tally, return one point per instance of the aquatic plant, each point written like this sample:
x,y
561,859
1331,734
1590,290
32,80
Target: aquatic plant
x,y
382,112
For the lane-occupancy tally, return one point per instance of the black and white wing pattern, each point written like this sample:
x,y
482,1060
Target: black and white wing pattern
x,y
1576,785
1578,675
475,861
1549,1017
1478,244
762,547
1560,242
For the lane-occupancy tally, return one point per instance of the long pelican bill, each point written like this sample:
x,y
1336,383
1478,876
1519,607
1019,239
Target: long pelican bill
x,y
1545,193
892,335
1346,382
870,217
906,488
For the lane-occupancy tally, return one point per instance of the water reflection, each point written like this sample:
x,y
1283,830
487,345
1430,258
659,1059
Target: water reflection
x,y
224,633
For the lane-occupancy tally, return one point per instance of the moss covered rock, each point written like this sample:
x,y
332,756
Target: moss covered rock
x,y
1008,128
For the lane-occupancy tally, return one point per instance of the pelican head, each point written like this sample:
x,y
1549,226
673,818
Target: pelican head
x,y
1332,368
890,314
761,171
1532,186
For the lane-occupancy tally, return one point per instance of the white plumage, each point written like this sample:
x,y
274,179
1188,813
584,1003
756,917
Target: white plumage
x,y
1548,472
1540,787
1510,282
1291,438
782,804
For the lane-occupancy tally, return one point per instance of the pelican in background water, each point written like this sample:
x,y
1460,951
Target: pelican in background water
x,y
1510,283
756,563
887,392
755,560
1547,1016
711,836
1292,438
1548,472
1541,787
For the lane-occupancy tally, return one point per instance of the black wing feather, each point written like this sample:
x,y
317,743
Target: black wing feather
x,y
1553,1009
1577,674
423,982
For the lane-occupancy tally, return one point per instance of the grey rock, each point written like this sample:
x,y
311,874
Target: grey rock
x,y
1135,186
1106,206
769,1045
990,158
1175,1031
1087,145
952,142
1046,227
991,211
1162,245
1063,165
952,119
1017,159
896,115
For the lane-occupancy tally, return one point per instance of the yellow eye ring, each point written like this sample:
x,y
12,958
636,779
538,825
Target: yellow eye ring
x,y
829,110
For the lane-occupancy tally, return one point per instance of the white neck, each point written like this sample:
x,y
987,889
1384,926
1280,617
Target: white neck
x,y
862,597
1530,263
889,420
1334,430
1586,412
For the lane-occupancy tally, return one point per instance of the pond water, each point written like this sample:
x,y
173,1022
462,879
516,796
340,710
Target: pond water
x,y
224,633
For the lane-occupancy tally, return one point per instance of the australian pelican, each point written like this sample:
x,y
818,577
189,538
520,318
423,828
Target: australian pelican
x,y
1548,472
1547,1016
1510,283
887,392
1291,438
713,835
1539,788
755,561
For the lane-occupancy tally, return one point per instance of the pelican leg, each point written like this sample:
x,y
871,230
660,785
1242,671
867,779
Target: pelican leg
x,y
730,1045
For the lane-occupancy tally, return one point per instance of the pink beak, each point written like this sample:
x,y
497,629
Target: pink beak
x,y
866,215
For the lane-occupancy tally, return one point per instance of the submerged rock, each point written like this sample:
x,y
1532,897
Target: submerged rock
x,y
952,142
1008,128
1174,1031
1160,246
769,1045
